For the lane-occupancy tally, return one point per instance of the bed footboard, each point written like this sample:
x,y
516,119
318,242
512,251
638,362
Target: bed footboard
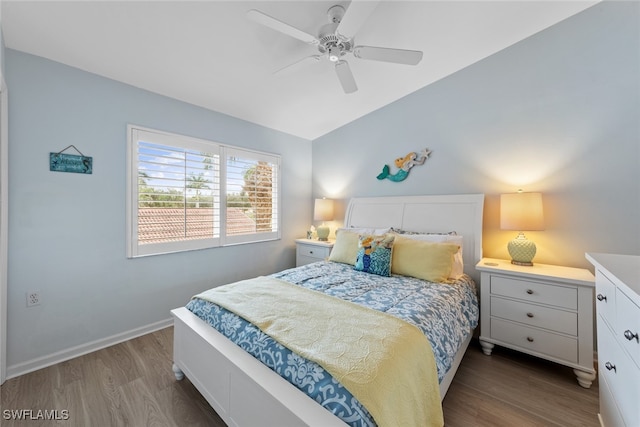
x,y
243,391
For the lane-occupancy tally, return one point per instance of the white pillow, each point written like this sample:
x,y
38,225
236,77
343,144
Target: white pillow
x,y
365,230
457,269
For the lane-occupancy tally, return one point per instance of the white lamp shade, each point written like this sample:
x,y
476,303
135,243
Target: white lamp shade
x,y
323,210
521,211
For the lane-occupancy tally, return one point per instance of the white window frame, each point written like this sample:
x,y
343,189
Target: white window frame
x,y
134,249
228,151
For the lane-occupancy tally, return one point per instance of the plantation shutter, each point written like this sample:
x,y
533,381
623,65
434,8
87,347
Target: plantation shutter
x,y
252,201
177,195
185,193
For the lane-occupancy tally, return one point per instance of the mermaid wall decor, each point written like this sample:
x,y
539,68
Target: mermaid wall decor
x,y
404,164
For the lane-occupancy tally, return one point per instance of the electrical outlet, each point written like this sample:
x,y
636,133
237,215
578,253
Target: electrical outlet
x,y
33,298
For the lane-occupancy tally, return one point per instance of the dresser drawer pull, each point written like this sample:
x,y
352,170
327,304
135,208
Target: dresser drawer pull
x,y
601,297
610,366
311,252
630,335
529,315
529,339
529,291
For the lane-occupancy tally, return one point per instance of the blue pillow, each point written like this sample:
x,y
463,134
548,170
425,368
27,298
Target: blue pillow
x,y
374,254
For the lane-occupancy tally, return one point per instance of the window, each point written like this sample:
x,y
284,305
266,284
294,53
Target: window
x,y
186,194
251,196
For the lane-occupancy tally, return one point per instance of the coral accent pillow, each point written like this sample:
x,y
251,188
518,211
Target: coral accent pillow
x,y
424,260
374,254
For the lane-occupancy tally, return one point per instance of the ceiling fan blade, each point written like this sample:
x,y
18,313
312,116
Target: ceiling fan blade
x,y
346,77
274,24
357,13
297,64
398,56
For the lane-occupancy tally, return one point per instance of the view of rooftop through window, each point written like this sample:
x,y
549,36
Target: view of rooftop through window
x,y
177,191
179,194
186,193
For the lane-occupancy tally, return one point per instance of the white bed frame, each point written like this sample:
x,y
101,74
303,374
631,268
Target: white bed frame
x,y
242,390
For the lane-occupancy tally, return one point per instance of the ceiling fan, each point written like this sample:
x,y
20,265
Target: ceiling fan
x,y
335,40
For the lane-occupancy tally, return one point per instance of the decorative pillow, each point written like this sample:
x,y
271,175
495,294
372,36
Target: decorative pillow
x,y
374,254
457,269
345,249
422,259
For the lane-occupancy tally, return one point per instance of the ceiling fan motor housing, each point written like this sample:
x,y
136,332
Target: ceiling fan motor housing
x,y
330,43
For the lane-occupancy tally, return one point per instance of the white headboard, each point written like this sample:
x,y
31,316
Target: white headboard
x,y
461,213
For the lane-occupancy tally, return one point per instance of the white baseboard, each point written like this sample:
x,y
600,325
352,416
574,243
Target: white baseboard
x,y
73,352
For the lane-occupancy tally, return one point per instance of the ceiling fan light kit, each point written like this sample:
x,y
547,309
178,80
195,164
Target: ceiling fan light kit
x,y
335,40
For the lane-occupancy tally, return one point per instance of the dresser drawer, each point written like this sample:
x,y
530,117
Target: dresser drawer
x,y
535,340
627,327
606,298
610,415
621,375
556,320
558,296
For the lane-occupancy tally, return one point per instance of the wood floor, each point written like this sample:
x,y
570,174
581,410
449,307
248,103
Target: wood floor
x,y
131,384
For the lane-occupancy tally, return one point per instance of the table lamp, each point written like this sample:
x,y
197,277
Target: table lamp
x,y
323,211
521,212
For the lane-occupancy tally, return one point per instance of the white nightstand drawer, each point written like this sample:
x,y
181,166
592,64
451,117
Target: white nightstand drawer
x,y
536,340
606,298
308,251
535,315
559,296
317,252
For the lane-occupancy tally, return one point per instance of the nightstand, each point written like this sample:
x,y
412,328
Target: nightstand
x,y
542,310
309,250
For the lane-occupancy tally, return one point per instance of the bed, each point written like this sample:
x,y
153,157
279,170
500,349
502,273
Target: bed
x,y
244,391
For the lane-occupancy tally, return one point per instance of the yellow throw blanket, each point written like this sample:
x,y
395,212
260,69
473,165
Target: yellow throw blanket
x,y
385,362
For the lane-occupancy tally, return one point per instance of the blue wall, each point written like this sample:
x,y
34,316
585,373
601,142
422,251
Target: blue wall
x,y
557,113
67,231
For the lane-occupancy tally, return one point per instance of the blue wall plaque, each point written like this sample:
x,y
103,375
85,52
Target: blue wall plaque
x,y
59,162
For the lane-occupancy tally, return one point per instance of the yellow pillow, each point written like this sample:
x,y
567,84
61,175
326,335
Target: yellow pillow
x,y
424,260
345,249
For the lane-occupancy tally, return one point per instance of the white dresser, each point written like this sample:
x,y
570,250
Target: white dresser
x,y
542,310
618,314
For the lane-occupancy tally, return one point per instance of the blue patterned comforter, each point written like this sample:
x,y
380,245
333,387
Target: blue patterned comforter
x,y
446,313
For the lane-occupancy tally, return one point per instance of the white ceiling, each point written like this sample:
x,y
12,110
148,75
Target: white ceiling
x,y
209,54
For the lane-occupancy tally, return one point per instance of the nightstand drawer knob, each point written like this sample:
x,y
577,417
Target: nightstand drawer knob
x,y
311,252
601,297
610,366
529,339
529,315
529,291
630,335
